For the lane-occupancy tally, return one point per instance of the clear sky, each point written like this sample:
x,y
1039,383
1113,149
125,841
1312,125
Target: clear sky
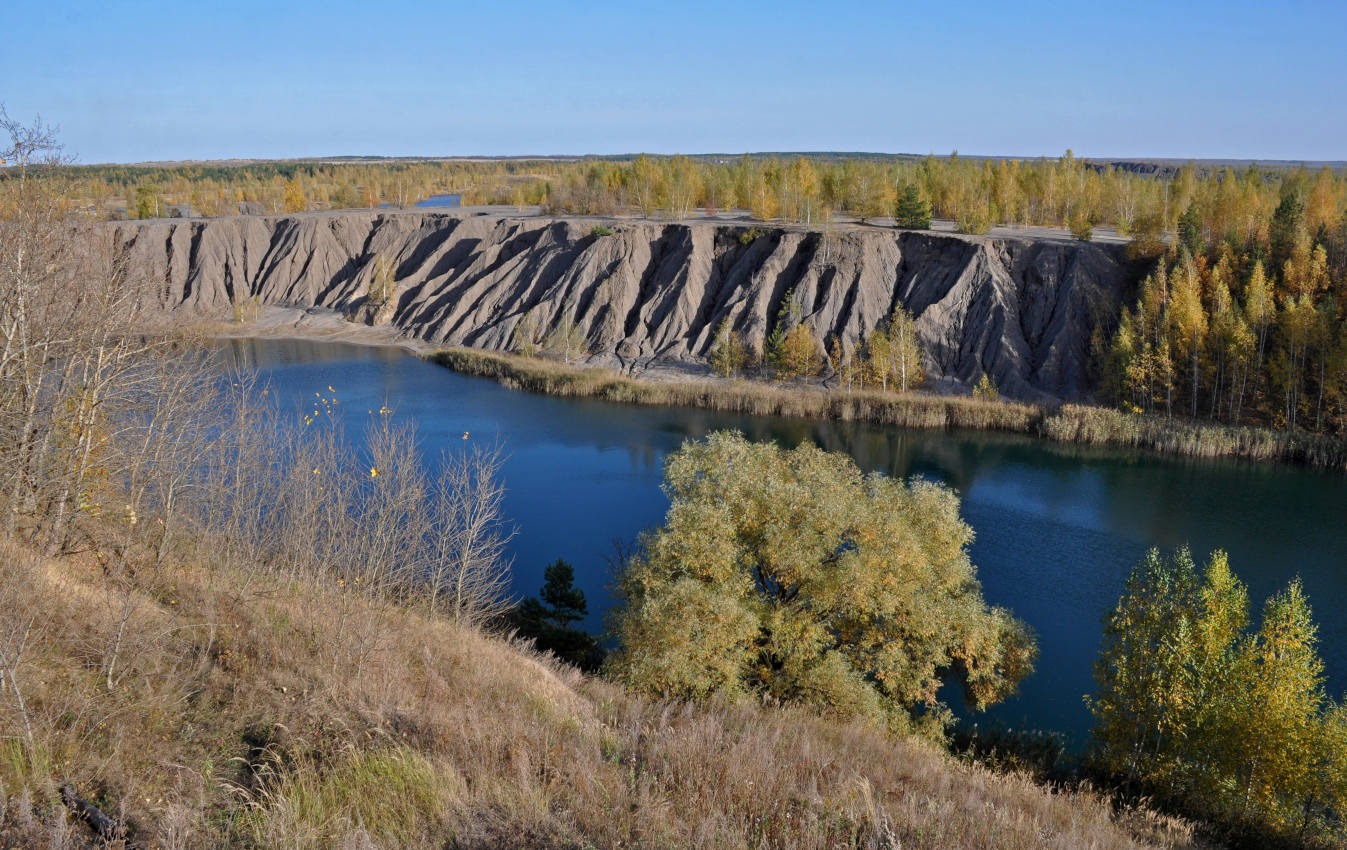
x,y
129,82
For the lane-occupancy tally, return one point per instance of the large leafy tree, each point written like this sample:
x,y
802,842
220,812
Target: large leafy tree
x,y
791,575
1194,706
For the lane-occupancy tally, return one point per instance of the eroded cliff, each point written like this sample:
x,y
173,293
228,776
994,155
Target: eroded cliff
x,y
652,294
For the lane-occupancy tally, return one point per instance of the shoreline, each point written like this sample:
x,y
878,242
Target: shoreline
x,y
1078,424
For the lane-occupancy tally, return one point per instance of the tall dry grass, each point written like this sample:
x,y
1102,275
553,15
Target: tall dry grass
x,y
259,711
913,410
1071,423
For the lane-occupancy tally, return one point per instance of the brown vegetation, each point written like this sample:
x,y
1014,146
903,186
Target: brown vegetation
x,y
261,711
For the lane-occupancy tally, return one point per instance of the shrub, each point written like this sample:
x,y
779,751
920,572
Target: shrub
x,y
985,389
751,235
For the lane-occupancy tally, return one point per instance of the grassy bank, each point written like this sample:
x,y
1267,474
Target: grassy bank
x,y
245,709
1077,424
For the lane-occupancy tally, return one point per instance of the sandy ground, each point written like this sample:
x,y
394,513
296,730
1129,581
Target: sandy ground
x,y
317,323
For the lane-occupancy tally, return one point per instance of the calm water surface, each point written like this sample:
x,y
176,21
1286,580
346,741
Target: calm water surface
x,y
1058,528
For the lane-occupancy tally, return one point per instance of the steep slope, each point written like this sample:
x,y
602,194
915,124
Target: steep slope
x,y
653,294
259,711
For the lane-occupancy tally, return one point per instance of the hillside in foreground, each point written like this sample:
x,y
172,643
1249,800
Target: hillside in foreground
x,y
201,707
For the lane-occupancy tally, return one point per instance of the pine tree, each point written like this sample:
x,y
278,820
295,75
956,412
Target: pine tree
x,y
549,620
787,317
1190,230
912,210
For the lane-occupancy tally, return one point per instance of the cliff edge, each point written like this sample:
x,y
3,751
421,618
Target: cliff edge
x,y
652,294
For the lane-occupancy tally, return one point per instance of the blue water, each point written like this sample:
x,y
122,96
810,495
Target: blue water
x,y
441,201
1058,528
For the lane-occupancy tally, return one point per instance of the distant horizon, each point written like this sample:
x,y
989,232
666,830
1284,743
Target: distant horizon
x,y
339,159
155,81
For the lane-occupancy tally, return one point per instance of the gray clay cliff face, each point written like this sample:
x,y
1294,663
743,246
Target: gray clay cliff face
x,y
651,295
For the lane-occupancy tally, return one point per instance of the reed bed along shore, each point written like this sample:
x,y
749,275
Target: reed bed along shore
x,y
1070,423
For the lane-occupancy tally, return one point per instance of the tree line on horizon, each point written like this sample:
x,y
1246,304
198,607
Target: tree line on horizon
x,y
1241,320
1065,191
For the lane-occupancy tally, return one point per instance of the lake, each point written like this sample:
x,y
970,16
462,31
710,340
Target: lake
x,y
441,201
1058,527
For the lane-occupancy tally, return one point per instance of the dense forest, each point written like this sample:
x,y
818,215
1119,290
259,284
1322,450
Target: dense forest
x,y
1242,323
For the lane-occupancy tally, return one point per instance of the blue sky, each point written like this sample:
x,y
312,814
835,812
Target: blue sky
x,y
129,82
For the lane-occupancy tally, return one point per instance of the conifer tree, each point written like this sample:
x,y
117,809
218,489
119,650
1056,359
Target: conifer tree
x,y
549,618
912,210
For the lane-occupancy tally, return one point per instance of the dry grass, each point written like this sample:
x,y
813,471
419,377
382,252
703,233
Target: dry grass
x,y
1080,424
913,410
1102,426
259,713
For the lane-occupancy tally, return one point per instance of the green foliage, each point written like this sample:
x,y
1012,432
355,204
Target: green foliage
x,y
792,576
1192,706
548,619
524,337
1190,230
148,203
1081,222
912,210
393,795
1287,221
600,230
974,218
566,340
788,316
